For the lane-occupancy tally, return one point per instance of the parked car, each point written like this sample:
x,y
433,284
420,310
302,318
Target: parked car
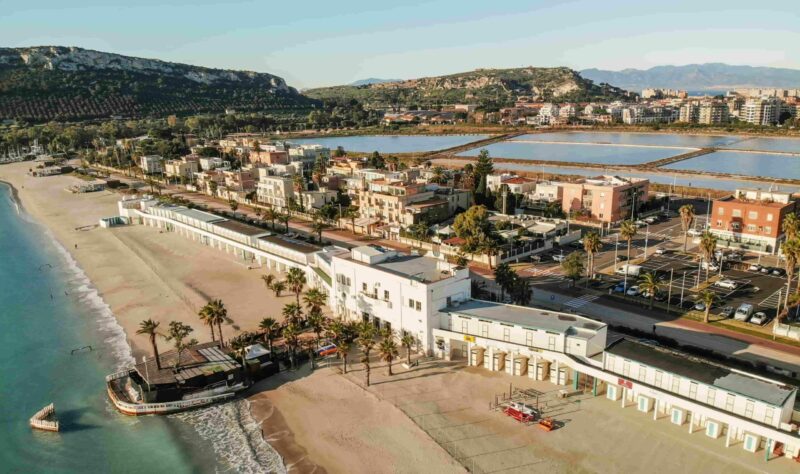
x,y
754,267
727,312
727,284
619,288
779,272
766,270
639,223
700,306
660,251
712,266
651,220
536,258
743,312
633,291
622,258
559,257
695,232
734,256
660,296
759,318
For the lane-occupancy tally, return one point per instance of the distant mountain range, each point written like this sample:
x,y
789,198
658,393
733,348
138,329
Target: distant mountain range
x,y
372,80
482,86
697,77
65,83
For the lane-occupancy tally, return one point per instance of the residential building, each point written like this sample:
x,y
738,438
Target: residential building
x,y
151,164
763,111
545,191
705,112
208,163
516,184
276,191
607,199
751,219
181,168
641,114
269,157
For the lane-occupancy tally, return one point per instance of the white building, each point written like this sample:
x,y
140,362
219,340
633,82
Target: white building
x,y
213,162
151,164
401,292
276,191
763,111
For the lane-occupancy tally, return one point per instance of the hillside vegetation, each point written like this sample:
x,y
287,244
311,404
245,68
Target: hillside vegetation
x,y
486,87
59,83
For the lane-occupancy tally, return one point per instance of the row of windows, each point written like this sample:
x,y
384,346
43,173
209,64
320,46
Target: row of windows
x,y
750,227
738,213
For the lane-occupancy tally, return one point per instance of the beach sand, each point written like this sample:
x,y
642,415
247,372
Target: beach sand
x,y
318,422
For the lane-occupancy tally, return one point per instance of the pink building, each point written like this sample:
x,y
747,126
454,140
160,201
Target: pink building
x,y
604,198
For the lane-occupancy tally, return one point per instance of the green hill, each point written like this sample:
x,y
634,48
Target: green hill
x,y
59,83
487,87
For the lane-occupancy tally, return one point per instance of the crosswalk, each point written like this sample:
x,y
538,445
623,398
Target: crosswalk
x,y
581,301
773,300
547,271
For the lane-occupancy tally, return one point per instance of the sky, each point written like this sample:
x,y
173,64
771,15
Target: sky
x,y
313,43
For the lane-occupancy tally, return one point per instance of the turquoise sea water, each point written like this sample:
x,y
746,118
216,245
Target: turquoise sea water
x,y
47,308
393,143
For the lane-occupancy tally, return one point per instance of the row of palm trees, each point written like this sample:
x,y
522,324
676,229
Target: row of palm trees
x,y
295,281
177,333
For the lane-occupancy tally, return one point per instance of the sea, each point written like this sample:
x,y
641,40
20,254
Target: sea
x,y
58,340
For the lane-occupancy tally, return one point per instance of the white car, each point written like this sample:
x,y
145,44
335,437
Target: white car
x,y
754,267
727,284
633,291
759,318
660,251
559,257
695,232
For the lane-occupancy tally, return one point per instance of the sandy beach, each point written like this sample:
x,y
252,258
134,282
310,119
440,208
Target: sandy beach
x,y
318,422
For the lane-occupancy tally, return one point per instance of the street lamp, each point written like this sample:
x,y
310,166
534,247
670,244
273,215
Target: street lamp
x,y
646,236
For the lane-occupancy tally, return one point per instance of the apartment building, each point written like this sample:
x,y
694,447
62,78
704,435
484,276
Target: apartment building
x,y
607,199
269,157
516,184
641,114
545,191
763,111
308,154
276,191
208,163
151,164
706,113
751,219
181,168
396,291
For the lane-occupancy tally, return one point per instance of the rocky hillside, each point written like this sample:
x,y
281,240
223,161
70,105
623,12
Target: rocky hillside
x,y
60,83
488,87
698,77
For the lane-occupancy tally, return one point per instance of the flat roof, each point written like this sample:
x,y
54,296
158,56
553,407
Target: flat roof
x,y
199,360
291,244
241,227
537,318
702,371
202,216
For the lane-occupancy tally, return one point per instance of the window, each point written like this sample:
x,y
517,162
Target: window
x,y
484,330
507,334
719,223
767,229
752,215
748,409
386,295
721,211
769,217
364,287
693,390
729,402
465,327
736,213
411,303
768,415
751,227
419,305
676,384
551,343
626,368
529,338
711,397
642,373
659,378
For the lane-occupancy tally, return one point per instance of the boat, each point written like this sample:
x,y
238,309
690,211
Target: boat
x,y
197,377
43,419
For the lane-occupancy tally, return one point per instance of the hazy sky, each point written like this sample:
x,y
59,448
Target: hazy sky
x,y
313,43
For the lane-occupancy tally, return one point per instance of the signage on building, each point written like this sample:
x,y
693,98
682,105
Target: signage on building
x,y
625,383
469,338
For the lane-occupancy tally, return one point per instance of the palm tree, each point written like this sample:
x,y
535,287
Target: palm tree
x,y
268,280
278,287
150,327
351,212
592,245
284,217
627,231
707,298
343,348
206,315
317,226
687,220
791,252
271,328
504,276
292,312
296,280
366,339
291,332
314,299
270,214
388,351
791,226
219,315
649,284
407,341
299,183
233,205
178,332
317,322
708,243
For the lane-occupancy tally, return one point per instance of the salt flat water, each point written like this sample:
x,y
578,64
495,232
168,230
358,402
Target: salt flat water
x,y
791,145
49,308
628,138
392,143
577,153
743,163
661,178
